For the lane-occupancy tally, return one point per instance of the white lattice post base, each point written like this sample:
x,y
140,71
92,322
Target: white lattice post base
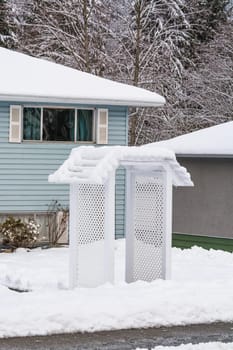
x,y
92,213
109,229
148,225
129,225
167,247
73,240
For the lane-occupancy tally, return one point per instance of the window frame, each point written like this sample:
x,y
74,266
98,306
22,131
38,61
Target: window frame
x,y
42,107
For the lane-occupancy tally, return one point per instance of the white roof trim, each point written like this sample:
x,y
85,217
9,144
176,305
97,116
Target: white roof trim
x,y
52,99
89,164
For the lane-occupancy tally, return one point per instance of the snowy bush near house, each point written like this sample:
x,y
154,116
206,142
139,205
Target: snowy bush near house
x,y
17,233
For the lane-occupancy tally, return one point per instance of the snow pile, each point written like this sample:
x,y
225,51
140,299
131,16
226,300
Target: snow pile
x,y
89,164
215,140
201,346
201,291
47,81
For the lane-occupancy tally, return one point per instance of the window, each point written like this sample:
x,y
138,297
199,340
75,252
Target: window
x,y
31,123
84,125
58,124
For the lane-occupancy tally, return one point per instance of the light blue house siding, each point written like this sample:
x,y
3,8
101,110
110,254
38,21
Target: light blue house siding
x,y
24,167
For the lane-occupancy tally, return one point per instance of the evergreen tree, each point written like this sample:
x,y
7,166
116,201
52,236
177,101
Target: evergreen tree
x,y
205,17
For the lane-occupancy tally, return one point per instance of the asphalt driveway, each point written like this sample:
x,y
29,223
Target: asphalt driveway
x,y
124,339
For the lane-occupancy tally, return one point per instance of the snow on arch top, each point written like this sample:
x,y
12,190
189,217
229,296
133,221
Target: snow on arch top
x,y
25,78
89,164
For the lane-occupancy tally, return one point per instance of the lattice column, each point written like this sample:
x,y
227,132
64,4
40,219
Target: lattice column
x,y
168,225
73,241
148,226
92,234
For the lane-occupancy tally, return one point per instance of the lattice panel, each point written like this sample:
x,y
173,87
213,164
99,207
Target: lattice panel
x,y
149,224
90,235
90,213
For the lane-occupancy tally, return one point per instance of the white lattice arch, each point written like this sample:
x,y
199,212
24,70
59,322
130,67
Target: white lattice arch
x,y
150,174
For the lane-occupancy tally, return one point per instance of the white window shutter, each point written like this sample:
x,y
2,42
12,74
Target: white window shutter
x,y
15,123
102,127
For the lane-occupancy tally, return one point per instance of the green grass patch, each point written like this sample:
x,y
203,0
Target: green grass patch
x,y
180,240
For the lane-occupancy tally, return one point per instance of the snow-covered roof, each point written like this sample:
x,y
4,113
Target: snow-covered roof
x,y
89,164
213,141
25,78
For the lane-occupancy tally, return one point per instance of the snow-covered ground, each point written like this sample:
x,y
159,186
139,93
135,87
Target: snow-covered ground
x,y
201,346
201,290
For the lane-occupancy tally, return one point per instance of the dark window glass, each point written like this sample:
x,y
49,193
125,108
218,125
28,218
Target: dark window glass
x,y
58,124
31,123
85,125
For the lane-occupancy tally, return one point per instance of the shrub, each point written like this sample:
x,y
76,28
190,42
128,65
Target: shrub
x,y
17,233
56,221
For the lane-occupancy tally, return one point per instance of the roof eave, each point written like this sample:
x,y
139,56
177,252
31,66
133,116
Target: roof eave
x,y
76,100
